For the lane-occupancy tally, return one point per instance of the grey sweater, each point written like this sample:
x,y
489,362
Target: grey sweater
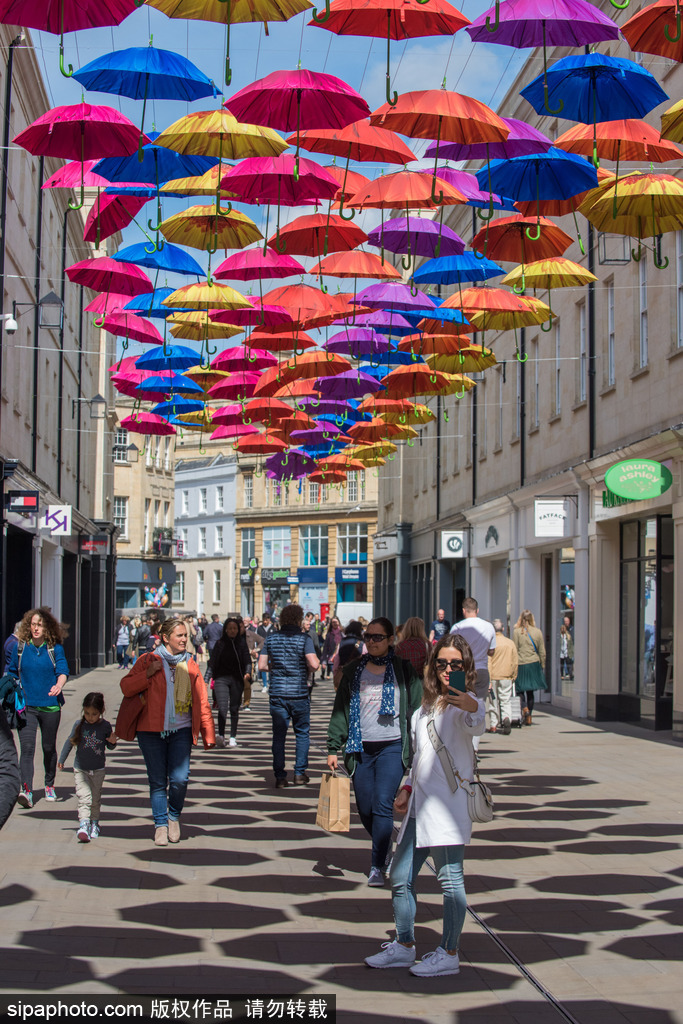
x,y
90,750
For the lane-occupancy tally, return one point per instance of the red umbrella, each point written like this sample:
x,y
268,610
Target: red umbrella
x,y
243,357
103,274
260,444
255,264
356,264
128,325
81,132
60,16
232,430
258,314
310,366
110,214
267,410
281,341
237,387
348,181
292,100
316,234
146,423
304,303
505,239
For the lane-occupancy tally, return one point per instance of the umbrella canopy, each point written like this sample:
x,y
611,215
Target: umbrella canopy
x,y
178,406
146,423
316,234
150,305
506,239
456,269
419,235
80,132
551,273
69,176
199,227
205,378
471,359
527,23
217,133
656,28
110,214
552,175
158,164
469,186
290,465
415,380
530,313
647,205
348,181
672,123
622,141
196,326
355,264
230,415
281,340
145,73
207,184
429,342
171,258
442,115
176,357
264,443
243,357
349,384
256,264
256,313
233,430
522,140
128,325
359,141
204,296
103,274
267,409
309,366
303,301
275,180
237,387
292,100
358,342
407,189
394,297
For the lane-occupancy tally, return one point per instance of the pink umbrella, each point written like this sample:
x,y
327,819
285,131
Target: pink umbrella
x,y
273,179
238,386
80,132
292,100
146,423
127,381
259,315
241,357
128,325
233,430
110,214
69,176
230,416
106,303
255,264
103,274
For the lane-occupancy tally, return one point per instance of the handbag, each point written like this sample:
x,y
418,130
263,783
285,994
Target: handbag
x,y
334,803
479,797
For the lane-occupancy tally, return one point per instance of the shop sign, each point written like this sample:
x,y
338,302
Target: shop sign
x,y
275,575
351,575
453,544
610,500
293,580
23,502
638,479
385,546
549,518
57,519
246,577
98,544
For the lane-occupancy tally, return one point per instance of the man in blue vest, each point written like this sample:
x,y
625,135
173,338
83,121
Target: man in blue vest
x,y
288,656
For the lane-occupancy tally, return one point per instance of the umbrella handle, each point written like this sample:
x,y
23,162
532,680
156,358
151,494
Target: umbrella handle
x,y
520,358
153,227
622,7
535,236
69,73
578,234
324,16
79,206
491,211
675,38
98,321
406,266
391,100
520,286
280,243
639,255
489,26
343,214
413,288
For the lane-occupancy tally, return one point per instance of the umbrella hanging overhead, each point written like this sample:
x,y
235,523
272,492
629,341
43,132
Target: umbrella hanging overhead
x,y
620,141
231,12
69,176
176,357
150,305
456,270
419,235
522,140
282,341
509,241
196,326
110,214
656,28
201,227
358,342
315,234
130,326
147,423
103,274
394,297
355,264
672,123
238,387
255,264
171,258
548,274
204,296
60,16
207,184
217,133
243,357
348,384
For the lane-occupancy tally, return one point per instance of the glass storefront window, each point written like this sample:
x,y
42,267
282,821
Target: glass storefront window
x,y
277,547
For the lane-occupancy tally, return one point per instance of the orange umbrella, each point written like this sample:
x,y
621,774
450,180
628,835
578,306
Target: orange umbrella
x,y
327,476
525,311
297,421
356,264
349,181
303,302
309,366
316,234
443,327
341,462
281,341
259,444
407,189
266,410
375,429
656,29
430,342
296,389
506,240
415,380
627,141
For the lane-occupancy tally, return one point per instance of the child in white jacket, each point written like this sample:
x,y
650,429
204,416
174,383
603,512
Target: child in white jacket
x,y
436,821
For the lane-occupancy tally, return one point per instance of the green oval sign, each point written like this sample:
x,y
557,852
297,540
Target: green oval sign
x,y
638,479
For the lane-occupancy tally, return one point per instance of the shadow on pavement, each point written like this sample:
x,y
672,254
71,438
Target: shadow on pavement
x,y
13,894
104,877
203,916
140,943
601,885
225,980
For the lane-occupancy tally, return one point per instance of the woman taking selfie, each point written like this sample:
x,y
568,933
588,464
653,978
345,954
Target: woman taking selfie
x,y
371,717
436,820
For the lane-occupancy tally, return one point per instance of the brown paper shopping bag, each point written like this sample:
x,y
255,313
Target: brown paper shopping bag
x,y
334,803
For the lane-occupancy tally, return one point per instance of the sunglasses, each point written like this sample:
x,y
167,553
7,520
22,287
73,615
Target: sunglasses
x,y
375,638
442,664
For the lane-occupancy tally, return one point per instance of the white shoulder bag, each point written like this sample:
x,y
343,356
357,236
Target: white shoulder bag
x,y
479,798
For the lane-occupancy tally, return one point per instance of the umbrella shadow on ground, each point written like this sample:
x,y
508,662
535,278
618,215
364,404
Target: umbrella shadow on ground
x,y
13,894
556,916
286,883
199,857
667,946
600,885
360,978
510,834
131,943
223,979
203,916
503,852
539,1012
617,847
281,834
104,877
530,947
670,911
54,970
646,829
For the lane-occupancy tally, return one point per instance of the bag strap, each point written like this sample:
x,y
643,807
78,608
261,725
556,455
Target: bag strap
x,y
532,643
453,776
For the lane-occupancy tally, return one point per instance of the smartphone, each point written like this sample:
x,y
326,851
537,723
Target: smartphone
x,y
456,682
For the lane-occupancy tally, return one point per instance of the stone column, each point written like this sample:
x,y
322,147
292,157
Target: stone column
x,y
582,606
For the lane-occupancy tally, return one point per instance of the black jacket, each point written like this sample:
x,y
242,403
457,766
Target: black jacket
x,y
10,779
230,658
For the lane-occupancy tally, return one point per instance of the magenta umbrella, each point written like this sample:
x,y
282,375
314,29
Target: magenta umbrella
x,y
237,387
80,132
229,416
255,264
147,423
260,315
128,325
225,431
103,274
69,176
60,16
106,303
241,357
292,100
110,214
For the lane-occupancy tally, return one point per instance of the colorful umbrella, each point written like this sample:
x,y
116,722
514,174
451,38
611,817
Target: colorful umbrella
x,y
508,239
256,313
170,258
672,123
60,16
547,274
394,297
255,264
204,296
281,340
207,184
196,326
238,387
355,264
267,410
419,236
349,384
316,234
243,357
413,380
131,327
224,433
390,19
150,305
217,133
69,176
656,28
176,357
357,343
110,214
231,12
103,274
265,443
205,378
290,465
200,227
456,270
523,140
471,359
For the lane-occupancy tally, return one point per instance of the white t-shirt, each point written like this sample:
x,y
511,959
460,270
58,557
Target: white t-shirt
x,y
374,727
480,635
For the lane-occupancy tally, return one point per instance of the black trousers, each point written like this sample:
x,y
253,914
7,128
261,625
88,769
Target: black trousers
x,y
49,725
228,693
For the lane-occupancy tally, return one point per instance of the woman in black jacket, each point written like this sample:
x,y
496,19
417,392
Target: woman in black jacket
x,y
230,664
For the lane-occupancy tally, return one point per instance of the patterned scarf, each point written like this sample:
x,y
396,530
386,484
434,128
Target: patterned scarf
x,y
178,686
354,743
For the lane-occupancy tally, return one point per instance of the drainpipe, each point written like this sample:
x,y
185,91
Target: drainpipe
x,y
36,314
78,395
522,407
60,386
591,347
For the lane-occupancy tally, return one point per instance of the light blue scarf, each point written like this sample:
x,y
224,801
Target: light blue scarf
x,y
169,662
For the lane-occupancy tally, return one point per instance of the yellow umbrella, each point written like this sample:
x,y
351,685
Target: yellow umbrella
x,y
205,378
373,454
207,296
418,413
205,184
197,420
196,326
217,133
557,272
457,385
672,123
232,12
468,360
532,313
199,227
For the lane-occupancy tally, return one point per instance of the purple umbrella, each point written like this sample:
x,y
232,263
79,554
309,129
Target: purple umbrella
x,y
349,384
288,465
386,322
324,407
469,186
358,342
523,140
427,237
531,23
319,435
393,296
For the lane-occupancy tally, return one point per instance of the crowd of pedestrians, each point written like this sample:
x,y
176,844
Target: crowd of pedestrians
x,y
410,707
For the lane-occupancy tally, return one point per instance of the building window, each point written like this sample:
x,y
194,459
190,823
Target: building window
x,y
219,499
200,590
202,540
611,374
157,511
352,481
185,503
219,538
183,542
145,524
248,491
285,492
203,502
537,385
277,547
157,453
499,411
558,383
248,545
120,449
642,292
120,515
324,492
167,513
518,400
352,543
167,453
216,586
583,354
313,545
483,417
179,588
313,493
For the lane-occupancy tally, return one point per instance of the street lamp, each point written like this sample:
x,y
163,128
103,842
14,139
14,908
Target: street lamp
x,y
98,407
51,313
132,453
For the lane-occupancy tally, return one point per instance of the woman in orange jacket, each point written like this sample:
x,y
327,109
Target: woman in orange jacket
x,y
176,710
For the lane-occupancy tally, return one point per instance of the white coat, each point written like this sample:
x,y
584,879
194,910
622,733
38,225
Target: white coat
x,y
441,816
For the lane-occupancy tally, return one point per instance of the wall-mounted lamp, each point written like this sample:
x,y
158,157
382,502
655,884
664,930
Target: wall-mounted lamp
x,y
51,313
98,409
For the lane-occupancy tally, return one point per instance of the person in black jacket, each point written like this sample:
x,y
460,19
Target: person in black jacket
x,y
230,665
10,779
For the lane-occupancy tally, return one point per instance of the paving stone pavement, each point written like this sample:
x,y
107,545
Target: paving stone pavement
x,y
579,874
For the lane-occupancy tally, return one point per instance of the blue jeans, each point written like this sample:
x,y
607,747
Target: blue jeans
x,y
263,673
122,656
378,774
405,867
168,768
297,709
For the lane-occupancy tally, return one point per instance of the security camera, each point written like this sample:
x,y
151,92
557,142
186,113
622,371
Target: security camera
x,y
11,325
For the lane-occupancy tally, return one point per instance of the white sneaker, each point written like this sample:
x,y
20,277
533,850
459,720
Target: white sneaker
x,y
376,878
220,742
233,741
433,965
392,954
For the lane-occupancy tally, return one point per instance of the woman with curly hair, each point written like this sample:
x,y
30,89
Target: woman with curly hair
x,y
436,820
39,662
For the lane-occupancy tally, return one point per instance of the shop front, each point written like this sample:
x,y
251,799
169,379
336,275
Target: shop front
x,y
352,583
275,588
313,589
246,582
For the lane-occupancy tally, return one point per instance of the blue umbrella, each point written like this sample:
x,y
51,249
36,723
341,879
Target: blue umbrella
x,y
152,305
176,384
444,316
176,357
551,175
144,72
456,269
176,406
171,258
593,87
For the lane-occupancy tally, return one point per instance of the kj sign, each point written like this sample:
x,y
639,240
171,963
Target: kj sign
x,y
57,519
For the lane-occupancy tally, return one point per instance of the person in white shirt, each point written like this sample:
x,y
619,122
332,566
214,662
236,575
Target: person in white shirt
x,y
481,636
